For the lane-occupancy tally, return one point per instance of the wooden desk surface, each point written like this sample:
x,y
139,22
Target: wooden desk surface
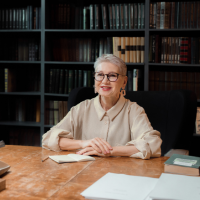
x,y
29,178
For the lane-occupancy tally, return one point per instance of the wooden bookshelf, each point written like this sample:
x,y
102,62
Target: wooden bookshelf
x,y
45,34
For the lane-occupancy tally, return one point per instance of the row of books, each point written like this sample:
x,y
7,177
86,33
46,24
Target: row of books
x,y
11,80
172,80
62,81
24,136
20,109
20,18
20,49
55,111
183,50
174,15
129,49
134,79
97,16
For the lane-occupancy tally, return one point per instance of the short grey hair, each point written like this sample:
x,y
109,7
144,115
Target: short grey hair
x,y
112,59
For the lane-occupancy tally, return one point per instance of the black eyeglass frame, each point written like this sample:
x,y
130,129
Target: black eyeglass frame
x,y
107,76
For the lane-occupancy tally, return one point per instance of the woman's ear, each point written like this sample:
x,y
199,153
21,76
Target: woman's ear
x,y
125,81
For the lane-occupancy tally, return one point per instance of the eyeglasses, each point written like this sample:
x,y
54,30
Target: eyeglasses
x,y
112,77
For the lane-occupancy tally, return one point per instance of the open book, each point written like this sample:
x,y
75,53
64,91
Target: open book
x,y
71,158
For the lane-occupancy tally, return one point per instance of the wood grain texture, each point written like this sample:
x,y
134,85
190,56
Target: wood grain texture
x,y
30,178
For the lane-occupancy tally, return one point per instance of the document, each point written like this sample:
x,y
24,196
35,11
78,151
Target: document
x,y
120,186
176,187
71,158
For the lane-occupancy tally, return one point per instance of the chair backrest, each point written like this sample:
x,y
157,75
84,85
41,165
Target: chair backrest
x,y
172,113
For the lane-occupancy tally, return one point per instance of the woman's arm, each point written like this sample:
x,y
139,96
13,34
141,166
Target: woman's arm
x,y
97,144
116,151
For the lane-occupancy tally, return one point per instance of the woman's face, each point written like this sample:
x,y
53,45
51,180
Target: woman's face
x,y
105,87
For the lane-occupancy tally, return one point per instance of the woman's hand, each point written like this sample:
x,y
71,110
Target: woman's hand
x,y
89,151
97,144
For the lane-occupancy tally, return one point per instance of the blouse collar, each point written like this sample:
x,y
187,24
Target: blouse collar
x,y
112,112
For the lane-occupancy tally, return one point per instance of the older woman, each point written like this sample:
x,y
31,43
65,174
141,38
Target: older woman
x,y
109,124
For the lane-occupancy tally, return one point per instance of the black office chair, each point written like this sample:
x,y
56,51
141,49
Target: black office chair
x,y
172,113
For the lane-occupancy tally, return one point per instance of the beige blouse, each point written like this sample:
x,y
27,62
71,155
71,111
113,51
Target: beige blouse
x,y
126,123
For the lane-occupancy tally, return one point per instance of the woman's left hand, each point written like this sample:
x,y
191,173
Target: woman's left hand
x,y
89,151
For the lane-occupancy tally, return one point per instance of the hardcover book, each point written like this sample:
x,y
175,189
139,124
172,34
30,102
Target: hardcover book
x,y
183,164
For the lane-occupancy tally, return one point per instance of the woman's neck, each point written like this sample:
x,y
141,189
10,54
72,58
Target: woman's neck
x,y
108,102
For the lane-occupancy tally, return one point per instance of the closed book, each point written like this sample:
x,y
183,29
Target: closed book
x,y
117,16
126,16
97,16
80,78
127,49
105,46
10,19
89,50
158,49
172,4
37,110
142,16
139,16
183,164
151,15
138,49
104,16
117,46
167,81
167,16
135,79
70,81
197,84
66,81
101,47
109,45
110,16
131,49
56,112
85,78
75,78
91,16
123,46
162,81
162,15
7,19
151,81
150,48
198,14
135,15
142,49
183,11
158,17
183,80
184,50
113,16
134,49
154,15
153,48
121,16
9,80
131,15
130,80
61,82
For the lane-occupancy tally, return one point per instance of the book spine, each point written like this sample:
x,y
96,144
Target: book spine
x,y
123,48
104,16
10,19
151,16
162,15
139,15
142,49
117,11
131,16
127,49
154,17
172,14
113,16
142,16
135,16
97,16
153,48
158,15
126,16
110,15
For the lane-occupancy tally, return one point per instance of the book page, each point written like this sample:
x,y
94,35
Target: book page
x,y
78,157
62,158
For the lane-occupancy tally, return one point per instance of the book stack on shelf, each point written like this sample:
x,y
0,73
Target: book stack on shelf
x,y
24,136
20,109
28,17
62,81
97,16
20,49
129,49
55,111
174,15
179,50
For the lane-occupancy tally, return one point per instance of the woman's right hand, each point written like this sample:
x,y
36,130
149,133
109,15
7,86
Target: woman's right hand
x,y
99,144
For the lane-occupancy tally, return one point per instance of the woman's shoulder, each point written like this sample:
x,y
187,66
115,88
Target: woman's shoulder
x,y
133,106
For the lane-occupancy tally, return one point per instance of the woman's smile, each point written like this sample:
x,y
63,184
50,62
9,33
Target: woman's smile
x,y
105,88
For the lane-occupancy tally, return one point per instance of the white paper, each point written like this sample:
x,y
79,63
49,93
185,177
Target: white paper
x,y
176,187
120,186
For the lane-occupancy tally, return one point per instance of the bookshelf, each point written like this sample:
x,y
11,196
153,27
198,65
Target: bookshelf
x,y
45,34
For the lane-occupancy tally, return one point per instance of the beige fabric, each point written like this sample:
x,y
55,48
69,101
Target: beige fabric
x,y
124,124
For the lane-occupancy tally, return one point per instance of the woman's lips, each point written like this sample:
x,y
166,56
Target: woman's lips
x,y
105,88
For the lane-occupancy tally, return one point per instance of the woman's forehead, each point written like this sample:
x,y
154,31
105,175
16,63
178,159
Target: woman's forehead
x,y
108,67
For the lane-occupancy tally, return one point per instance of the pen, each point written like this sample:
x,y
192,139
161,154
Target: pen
x,y
45,158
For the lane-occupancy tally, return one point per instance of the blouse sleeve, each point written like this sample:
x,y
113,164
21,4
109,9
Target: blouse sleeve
x,y
65,128
143,136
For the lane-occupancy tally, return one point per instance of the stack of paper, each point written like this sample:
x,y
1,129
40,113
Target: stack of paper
x,y
125,187
120,186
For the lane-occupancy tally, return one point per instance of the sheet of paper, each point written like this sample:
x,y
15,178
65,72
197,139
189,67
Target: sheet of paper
x,y
120,186
78,157
62,158
176,187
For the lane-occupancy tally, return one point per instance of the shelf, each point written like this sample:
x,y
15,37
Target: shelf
x,y
179,30
13,123
198,100
93,30
196,135
48,126
20,62
174,65
21,93
81,63
56,95
19,30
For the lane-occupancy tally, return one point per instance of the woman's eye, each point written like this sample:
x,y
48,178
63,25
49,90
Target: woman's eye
x,y
100,75
112,75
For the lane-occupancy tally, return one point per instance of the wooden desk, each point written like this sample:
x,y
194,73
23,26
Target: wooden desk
x,y
29,178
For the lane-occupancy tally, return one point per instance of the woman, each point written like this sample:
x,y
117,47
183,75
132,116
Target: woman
x,y
109,124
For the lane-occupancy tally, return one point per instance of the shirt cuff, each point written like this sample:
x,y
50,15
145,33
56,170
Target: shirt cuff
x,y
52,142
143,148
